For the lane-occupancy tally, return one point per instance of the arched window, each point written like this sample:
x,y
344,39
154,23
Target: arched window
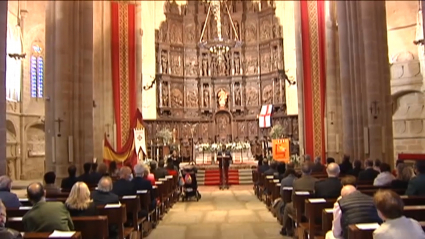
x,y
37,72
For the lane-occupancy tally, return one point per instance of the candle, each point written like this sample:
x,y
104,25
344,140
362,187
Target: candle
x,y
157,153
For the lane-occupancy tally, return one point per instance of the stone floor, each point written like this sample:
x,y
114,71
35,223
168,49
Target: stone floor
x,y
230,214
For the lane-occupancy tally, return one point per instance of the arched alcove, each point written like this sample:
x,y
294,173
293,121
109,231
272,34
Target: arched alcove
x,y
35,155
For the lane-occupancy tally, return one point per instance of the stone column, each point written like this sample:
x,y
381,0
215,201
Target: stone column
x,y
299,75
69,85
364,75
3,35
333,99
378,89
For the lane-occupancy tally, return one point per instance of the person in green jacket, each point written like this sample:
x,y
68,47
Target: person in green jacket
x,y
45,216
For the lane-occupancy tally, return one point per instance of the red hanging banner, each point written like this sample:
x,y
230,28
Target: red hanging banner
x,y
123,56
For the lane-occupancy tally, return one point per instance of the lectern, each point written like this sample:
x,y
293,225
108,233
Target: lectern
x,y
223,164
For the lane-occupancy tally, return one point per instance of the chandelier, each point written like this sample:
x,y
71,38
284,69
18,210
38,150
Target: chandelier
x,y
217,44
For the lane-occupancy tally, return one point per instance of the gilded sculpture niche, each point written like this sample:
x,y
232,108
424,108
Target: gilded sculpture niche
x,y
219,91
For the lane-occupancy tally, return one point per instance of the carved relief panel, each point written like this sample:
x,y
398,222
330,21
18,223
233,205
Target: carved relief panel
x,y
194,84
192,100
176,97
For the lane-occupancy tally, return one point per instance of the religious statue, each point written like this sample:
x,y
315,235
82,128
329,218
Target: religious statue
x,y
165,98
206,98
204,67
275,59
174,135
238,98
222,98
222,67
164,63
237,64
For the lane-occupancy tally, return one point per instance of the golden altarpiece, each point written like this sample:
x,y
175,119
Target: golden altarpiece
x,y
203,98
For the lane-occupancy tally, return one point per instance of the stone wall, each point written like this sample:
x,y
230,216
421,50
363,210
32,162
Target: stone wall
x,y
406,59
25,119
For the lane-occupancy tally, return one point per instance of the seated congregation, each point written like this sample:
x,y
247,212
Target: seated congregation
x,y
100,203
344,201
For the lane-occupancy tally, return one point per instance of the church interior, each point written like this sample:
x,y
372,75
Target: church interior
x,y
131,82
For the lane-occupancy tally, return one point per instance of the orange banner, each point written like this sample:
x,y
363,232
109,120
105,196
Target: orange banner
x,y
281,150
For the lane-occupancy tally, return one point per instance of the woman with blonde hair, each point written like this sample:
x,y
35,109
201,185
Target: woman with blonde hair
x,y
404,174
79,202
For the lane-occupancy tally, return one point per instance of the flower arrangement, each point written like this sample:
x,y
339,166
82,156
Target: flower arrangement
x,y
276,132
165,134
295,159
204,147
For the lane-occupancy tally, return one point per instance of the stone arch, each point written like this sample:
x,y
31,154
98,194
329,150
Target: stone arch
x,y
10,131
398,99
11,148
408,122
35,151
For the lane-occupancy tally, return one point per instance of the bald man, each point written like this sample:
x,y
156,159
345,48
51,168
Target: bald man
x,y
357,208
330,187
103,195
45,216
124,186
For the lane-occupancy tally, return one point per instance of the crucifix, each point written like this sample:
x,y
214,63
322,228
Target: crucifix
x,y
59,121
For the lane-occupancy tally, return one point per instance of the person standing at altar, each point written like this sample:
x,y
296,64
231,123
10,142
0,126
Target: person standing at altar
x,y
224,166
175,159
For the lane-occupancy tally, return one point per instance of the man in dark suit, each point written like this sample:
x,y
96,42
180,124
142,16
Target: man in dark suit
x,y
45,216
10,200
123,186
85,177
103,194
369,174
330,187
318,167
95,176
264,166
224,166
272,170
160,171
305,183
68,182
417,184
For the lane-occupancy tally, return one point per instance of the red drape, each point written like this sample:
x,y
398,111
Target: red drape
x,y
314,67
126,155
123,67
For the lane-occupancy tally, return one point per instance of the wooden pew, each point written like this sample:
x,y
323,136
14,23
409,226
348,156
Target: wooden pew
x,y
354,232
145,201
416,212
84,225
116,215
298,199
287,194
313,210
132,203
45,235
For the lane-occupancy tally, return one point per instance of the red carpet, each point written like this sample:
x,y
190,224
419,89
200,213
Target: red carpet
x,y
212,177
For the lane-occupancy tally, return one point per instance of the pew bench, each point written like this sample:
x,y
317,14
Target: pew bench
x,y
416,212
84,225
365,231
46,235
116,214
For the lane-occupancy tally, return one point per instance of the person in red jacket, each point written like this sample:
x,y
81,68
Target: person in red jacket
x,y
171,168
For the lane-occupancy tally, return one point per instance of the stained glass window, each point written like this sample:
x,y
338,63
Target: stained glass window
x,y
37,73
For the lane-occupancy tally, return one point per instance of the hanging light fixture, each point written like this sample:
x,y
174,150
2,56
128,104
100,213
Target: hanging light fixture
x,y
219,45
